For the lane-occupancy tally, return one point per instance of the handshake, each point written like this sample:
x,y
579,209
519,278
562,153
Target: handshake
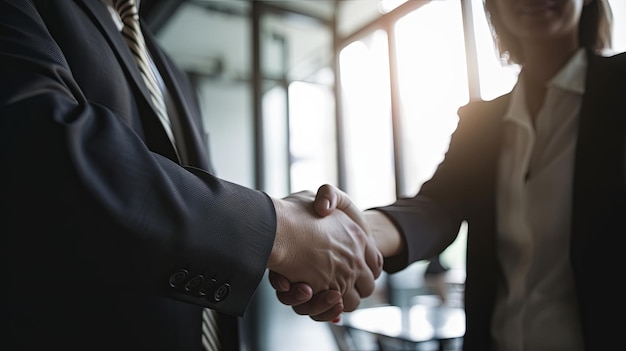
x,y
324,258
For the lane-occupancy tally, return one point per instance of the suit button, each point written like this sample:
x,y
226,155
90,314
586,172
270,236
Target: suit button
x,y
194,283
178,278
221,292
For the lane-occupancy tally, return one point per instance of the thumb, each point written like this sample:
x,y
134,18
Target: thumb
x,y
329,198
325,201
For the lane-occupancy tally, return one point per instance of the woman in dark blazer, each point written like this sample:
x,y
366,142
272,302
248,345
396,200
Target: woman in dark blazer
x,y
539,175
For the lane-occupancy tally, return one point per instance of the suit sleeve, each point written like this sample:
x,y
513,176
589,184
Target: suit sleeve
x,y
426,228
460,189
83,194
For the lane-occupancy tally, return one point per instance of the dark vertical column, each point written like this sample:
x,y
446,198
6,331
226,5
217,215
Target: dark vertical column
x,y
257,96
250,329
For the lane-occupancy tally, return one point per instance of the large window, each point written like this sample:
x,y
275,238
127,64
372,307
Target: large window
x,y
298,102
366,97
432,84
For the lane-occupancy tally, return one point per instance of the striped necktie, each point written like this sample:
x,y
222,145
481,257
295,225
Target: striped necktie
x,y
210,339
129,14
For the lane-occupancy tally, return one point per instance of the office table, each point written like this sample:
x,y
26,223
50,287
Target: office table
x,y
420,326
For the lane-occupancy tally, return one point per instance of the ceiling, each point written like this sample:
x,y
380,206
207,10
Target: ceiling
x,y
157,12
214,37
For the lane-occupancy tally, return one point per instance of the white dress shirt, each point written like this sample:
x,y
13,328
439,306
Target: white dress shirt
x,y
536,307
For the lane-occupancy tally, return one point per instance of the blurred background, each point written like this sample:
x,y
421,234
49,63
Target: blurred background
x,y
361,94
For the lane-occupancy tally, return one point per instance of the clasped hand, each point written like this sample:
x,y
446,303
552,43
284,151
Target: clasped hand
x,y
323,261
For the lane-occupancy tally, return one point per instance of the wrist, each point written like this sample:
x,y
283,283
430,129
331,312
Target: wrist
x,y
278,253
386,235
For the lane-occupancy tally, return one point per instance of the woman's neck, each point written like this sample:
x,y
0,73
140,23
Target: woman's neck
x,y
541,63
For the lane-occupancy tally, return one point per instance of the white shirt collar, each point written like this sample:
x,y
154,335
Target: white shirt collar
x,y
570,78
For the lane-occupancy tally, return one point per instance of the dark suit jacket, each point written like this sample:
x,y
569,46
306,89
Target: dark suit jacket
x,y
463,188
108,242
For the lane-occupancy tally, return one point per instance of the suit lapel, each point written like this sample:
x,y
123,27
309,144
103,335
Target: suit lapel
x,y
102,17
191,127
599,164
157,138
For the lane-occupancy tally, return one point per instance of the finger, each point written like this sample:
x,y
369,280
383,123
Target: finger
x,y
320,303
365,283
299,294
332,314
373,257
351,300
279,282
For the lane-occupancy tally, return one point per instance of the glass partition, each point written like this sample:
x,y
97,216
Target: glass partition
x,y
296,56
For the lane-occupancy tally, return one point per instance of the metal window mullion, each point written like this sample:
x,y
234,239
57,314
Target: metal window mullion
x,y
396,113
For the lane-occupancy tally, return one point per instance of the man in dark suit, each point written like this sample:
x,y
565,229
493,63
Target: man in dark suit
x,y
114,235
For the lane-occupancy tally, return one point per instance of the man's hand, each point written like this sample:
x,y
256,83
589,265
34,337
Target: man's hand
x,y
327,253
